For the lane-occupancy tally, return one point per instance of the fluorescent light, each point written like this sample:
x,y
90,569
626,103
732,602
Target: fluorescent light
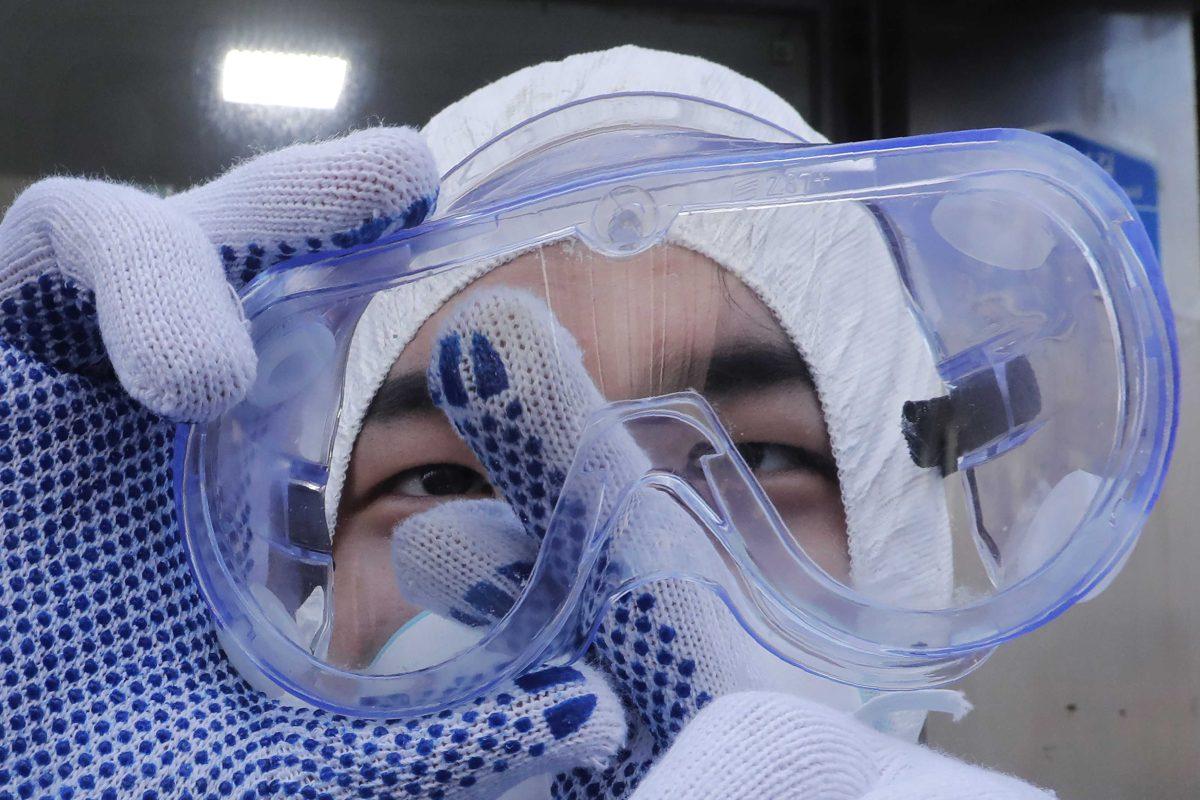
x,y
266,78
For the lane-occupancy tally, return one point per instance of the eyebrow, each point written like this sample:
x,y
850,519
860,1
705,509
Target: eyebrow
x,y
753,365
733,369
400,396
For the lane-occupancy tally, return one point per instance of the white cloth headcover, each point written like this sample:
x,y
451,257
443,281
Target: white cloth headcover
x,y
825,270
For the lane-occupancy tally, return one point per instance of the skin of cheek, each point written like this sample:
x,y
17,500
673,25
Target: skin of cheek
x,y
815,518
368,606
811,505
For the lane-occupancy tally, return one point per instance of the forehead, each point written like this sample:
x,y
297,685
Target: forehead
x,y
665,301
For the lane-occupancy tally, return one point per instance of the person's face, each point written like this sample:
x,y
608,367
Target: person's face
x,y
660,322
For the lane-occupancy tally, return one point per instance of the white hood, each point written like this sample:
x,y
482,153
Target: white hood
x,y
825,270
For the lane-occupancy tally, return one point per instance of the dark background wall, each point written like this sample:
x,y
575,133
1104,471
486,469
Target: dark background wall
x,y
130,88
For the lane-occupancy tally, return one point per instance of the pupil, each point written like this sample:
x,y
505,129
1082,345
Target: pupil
x,y
447,480
753,453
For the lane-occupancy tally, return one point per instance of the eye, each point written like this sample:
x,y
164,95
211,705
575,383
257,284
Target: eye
x,y
767,458
439,480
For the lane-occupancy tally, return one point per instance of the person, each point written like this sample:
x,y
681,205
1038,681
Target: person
x,y
118,317
704,330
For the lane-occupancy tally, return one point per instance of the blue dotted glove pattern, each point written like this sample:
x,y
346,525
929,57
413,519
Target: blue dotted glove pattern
x,y
113,685
655,662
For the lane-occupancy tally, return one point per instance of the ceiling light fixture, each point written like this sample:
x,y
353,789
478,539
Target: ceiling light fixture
x,y
266,78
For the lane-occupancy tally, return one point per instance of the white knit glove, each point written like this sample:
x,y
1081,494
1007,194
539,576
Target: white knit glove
x,y
95,273
511,379
115,685
760,745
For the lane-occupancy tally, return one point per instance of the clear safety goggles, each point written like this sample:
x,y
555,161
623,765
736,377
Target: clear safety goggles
x,y
894,402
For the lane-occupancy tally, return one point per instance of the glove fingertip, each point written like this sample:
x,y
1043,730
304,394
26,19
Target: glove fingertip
x,y
172,327
196,389
405,157
581,714
331,194
466,559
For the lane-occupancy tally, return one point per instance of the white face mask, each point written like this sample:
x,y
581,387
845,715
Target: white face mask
x,y
425,639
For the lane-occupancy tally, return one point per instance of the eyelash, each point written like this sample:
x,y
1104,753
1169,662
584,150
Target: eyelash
x,y
414,482
755,453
